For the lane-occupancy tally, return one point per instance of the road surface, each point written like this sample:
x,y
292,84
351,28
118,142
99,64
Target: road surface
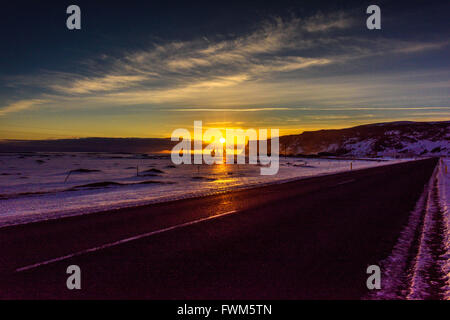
x,y
307,239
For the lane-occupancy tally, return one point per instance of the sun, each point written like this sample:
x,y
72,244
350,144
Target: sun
x,y
222,140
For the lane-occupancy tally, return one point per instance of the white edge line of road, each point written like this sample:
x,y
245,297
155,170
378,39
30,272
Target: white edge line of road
x,y
115,243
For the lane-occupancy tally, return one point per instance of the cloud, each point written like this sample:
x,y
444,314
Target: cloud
x,y
228,109
322,23
281,62
96,84
315,109
20,106
420,47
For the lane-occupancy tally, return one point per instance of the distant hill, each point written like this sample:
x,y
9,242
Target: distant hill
x,y
392,139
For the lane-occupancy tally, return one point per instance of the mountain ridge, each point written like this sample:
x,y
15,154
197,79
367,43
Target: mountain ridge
x,y
386,139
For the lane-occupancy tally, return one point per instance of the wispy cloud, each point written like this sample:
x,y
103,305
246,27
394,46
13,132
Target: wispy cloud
x,y
20,106
228,109
321,22
334,109
98,84
420,47
282,62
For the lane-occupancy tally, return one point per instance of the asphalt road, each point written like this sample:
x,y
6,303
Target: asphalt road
x,y
308,239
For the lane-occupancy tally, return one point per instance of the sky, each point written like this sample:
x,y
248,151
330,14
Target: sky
x,y
146,68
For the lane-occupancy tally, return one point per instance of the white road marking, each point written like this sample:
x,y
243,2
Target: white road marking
x,y
115,243
344,182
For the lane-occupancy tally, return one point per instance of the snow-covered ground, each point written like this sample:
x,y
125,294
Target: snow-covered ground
x,y
37,186
419,265
444,186
444,203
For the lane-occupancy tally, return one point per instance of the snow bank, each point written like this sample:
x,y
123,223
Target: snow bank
x,y
444,203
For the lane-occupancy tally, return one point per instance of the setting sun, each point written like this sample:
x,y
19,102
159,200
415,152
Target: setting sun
x,y
222,140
